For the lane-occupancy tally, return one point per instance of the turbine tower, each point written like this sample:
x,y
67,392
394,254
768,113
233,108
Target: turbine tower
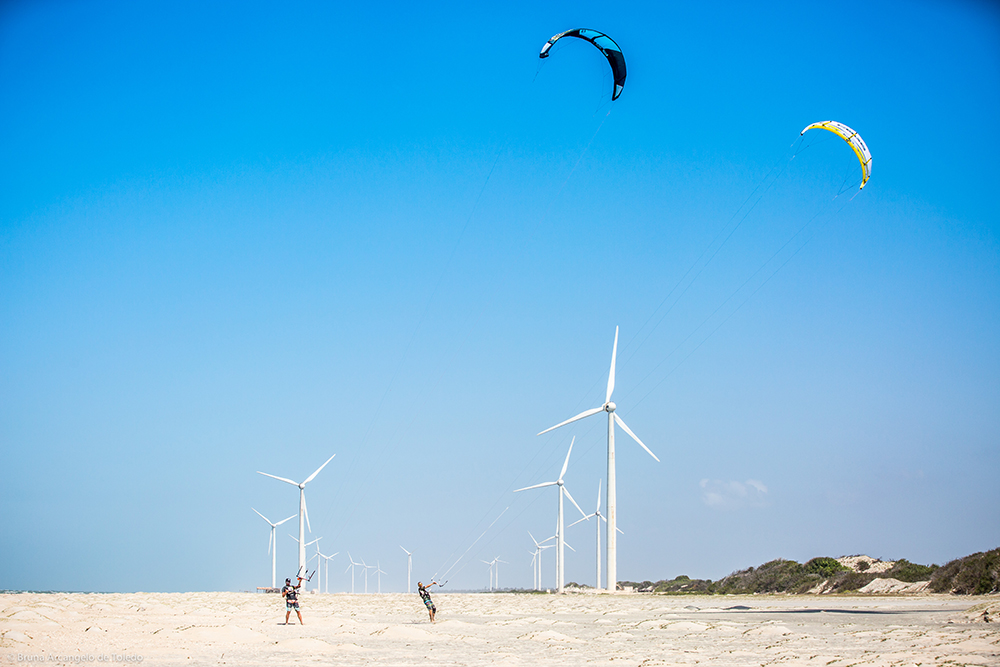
x,y
539,547
378,573
560,532
351,568
326,577
613,417
302,571
272,547
491,563
409,567
303,513
600,518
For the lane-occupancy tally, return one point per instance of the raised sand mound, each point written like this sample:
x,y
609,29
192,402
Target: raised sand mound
x,y
987,612
866,564
894,586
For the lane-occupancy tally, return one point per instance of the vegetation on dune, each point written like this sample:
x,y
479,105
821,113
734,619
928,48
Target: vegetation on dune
x,y
978,574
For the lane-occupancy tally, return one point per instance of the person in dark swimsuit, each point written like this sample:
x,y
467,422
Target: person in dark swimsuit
x,y
426,597
291,595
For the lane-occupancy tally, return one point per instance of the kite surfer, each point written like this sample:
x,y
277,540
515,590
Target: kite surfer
x,y
291,595
426,597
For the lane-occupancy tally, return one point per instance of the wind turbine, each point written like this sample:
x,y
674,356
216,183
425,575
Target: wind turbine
x,y
272,547
560,533
367,567
378,573
600,517
326,578
613,417
491,563
409,567
351,568
303,513
539,547
302,571
497,575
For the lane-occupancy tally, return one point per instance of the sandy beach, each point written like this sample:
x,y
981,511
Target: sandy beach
x,y
494,629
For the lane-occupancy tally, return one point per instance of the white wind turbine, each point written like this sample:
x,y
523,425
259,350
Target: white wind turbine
x,y
351,568
378,573
303,513
613,418
539,547
496,576
272,547
409,567
560,532
600,517
302,572
367,567
326,577
491,563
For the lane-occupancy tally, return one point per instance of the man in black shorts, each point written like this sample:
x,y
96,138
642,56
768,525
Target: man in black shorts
x,y
426,597
291,595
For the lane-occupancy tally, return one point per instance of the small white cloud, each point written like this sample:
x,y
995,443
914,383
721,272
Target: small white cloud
x,y
733,495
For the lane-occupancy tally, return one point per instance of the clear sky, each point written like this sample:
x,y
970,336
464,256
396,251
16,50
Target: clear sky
x,y
246,236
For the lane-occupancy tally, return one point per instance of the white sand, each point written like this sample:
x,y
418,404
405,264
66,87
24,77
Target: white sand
x,y
495,629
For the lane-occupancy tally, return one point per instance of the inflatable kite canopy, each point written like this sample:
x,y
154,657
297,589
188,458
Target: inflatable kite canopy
x,y
607,46
852,138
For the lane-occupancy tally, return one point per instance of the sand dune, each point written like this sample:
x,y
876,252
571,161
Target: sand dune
x,y
496,629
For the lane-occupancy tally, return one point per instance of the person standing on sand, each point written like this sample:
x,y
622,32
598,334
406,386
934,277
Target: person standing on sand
x,y
426,597
291,595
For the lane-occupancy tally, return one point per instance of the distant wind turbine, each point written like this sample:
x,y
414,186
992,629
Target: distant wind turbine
x,y
351,568
539,547
303,512
560,532
302,571
367,567
409,567
272,547
491,563
613,418
600,518
326,577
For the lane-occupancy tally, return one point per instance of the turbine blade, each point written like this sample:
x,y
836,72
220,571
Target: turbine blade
x,y
278,478
305,509
284,520
586,518
570,496
264,517
573,419
566,462
568,546
599,496
625,428
611,376
270,539
407,552
312,476
536,486
532,538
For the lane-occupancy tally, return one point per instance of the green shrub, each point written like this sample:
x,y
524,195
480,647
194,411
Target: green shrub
x,y
824,566
904,570
978,574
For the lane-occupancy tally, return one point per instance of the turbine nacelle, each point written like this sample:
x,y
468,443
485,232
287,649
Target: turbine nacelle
x,y
610,406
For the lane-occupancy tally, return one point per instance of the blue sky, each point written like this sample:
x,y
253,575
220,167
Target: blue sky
x,y
241,237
